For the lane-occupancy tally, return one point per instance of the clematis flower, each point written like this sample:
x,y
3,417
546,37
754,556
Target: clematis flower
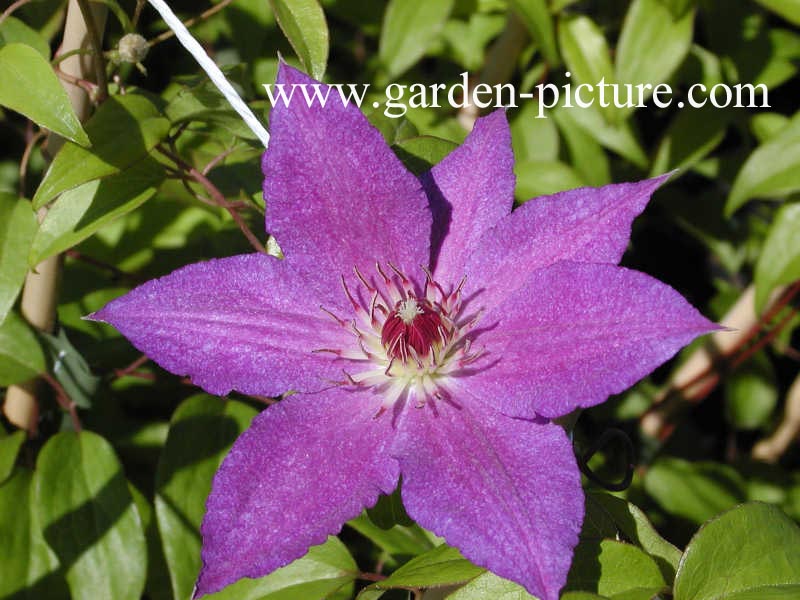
x,y
427,329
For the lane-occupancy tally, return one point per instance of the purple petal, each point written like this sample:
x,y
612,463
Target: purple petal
x,y
575,333
470,191
305,466
581,225
505,491
337,197
249,323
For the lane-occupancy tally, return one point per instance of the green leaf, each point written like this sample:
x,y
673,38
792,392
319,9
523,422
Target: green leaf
x,y
303,23
30,87
533,138
29,569
409,29
202,431
9,449
618,137
630,521
540,178
17,228
582,596
773,169
678,8
745,549
693,491
536,16
78,213
324,571
586,154
70,368
691,136
132,118
420,153
389,511
12,30
779,262
398,540
788,9
767,125
438,567
489,585
652,44
21,355
768,592
89,518
610,567
751,393
586,53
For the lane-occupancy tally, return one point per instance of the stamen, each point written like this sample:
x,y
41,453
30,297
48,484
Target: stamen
x,y
415,345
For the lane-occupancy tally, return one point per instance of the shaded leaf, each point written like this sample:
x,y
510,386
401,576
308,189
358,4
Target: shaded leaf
x,y
70,368
21,356
203,429
398,540
694,491
89,518
751,393
132,118
629,520
17,228
691,136
9,449
30,87
29,569
303,23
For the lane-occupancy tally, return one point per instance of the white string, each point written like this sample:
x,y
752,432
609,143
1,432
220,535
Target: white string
x,y
208,65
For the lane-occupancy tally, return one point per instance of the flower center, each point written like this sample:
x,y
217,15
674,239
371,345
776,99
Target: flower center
x,y
414,328
409,341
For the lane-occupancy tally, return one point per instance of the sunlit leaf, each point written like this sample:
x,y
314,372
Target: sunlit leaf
x,y
30,87
773,169
740,554
131,118
304,25
536,16
409,28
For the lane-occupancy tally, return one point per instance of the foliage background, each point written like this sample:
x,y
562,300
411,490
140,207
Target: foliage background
x,y
113,512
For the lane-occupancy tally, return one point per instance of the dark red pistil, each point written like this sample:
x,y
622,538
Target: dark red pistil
x,y
414,324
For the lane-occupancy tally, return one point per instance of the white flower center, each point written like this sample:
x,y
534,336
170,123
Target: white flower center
x,y
408,345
